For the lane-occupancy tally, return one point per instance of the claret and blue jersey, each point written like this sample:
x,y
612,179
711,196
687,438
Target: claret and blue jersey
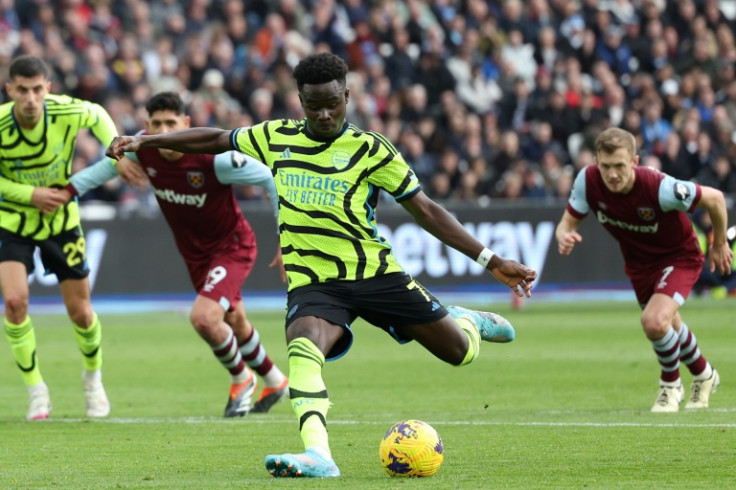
x,y
649,222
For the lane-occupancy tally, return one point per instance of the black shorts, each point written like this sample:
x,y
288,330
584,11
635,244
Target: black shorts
x,y
64,254
387,302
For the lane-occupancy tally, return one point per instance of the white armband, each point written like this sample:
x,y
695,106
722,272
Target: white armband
x,y
485,257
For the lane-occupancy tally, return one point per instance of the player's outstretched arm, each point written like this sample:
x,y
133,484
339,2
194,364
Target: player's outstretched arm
x,y
192,140
440,223
567,233
721,255
233,167
91,177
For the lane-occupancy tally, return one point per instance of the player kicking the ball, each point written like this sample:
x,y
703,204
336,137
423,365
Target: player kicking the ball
x,y
218,245
328,175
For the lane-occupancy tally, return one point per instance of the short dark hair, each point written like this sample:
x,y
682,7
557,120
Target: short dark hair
x,y
166,101
320,68
28,66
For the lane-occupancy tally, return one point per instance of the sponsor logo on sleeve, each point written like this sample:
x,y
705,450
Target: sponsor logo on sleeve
x,y
238,160
681,191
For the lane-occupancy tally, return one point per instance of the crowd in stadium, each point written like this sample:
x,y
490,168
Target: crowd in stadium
x,y
486,99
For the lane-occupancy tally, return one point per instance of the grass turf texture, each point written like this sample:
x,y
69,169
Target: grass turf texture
x,y
565,405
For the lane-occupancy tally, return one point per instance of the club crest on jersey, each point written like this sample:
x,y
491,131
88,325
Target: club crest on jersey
x,y
647,214
340,159
681,191
195,179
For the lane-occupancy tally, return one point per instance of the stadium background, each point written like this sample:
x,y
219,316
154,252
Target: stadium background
x,y
566,405
494,104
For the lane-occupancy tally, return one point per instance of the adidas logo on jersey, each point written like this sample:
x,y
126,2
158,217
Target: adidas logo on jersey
x,y
286,154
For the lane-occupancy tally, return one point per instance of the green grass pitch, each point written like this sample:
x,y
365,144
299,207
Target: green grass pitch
x,y
566,405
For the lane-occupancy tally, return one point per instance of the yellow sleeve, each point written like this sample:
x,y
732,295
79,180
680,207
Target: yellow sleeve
x,y
15,192
101,124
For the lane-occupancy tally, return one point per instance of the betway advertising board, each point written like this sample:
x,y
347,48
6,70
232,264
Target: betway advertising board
x,y
138,256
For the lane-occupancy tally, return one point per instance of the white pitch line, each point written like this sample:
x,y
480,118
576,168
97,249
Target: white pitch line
x,y
624,412
271,420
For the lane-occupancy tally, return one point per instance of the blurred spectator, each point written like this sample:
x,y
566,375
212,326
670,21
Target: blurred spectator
x,y
468,189
613,51
654,127
473,88
719,174
546,54
563,184
675,160
540,142
504,85
519,55
413,150
214,97
515,107
508,154
450,164
652,161
510,186
533,183
433,74
399,63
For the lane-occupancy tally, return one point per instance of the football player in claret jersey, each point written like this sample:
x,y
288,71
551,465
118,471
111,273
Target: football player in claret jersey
x,y
195,194
328,174
644,210
38,132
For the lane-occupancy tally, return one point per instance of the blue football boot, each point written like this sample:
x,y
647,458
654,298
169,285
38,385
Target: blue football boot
x,y
492,327
309,464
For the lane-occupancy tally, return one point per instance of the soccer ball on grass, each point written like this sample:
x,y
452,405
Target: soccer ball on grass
x,y
411,448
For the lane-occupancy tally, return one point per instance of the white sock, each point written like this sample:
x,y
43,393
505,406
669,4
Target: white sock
x,y
274,377
92,376
706,374
40,387
242,377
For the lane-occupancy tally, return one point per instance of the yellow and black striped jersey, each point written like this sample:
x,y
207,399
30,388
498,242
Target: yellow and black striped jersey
x,y
42,157
328,192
